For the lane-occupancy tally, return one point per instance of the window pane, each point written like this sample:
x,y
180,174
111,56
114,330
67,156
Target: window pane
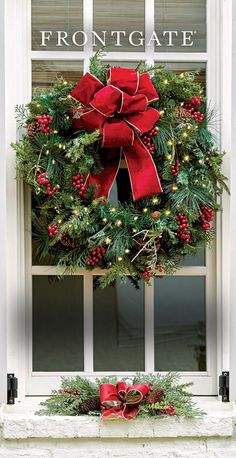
x,y
113,15
57,324
180,336
197,260
53,16
119,328
179,67
45,73
181,15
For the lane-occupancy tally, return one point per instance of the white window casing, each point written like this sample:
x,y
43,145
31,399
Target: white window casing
x,y
3,213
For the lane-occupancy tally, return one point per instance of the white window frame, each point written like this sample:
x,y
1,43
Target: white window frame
x,y
17,64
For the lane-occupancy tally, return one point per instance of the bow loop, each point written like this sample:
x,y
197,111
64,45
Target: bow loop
x,y
107,101
125,79
146,87
121,401
86,88
131,104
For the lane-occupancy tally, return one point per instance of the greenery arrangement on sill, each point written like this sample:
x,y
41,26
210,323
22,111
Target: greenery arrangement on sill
x,y
161,123
144,395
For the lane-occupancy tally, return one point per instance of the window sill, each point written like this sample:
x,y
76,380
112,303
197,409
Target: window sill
x,y
20,422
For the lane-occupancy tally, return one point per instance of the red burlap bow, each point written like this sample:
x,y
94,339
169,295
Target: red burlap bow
x,y
120,110
121,401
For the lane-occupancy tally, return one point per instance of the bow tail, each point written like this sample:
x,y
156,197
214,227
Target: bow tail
x,y
129,412
104,181
125,413
143,174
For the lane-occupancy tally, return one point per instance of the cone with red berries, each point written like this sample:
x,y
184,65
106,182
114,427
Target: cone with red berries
x,y
154,396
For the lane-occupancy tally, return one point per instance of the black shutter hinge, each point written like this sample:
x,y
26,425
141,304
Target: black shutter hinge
x,y
12,385
224,386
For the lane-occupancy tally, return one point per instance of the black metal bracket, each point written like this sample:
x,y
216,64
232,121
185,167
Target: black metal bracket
x,y
12,385
224,386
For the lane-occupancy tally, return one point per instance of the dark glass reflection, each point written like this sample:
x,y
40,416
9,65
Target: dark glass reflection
x,y
119,328
57,324
180,335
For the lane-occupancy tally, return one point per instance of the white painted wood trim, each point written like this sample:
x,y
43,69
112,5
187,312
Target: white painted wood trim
x,y
183,271
17,73
232,350
3,214
149,333
88,27
88,323
124,56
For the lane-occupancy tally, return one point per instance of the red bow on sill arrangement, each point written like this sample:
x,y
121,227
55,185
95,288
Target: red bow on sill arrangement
x,y
120,110
121,401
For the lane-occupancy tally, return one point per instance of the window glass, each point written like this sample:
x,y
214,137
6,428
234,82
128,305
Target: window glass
x,y
180,67
45,72
57,323
119,328
198,260
180,335
185,17
57,19
123,15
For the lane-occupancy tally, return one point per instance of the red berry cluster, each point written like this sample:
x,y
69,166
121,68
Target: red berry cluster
x,y
147,140
53,230
95,256
42,179
45,121
147,274
175,169
192,106
183,232
168,410
207,216
159,268
78,182
198,116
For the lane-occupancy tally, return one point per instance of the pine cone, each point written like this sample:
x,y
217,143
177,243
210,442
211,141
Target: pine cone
x,y
89,405
33,129
69,242
156,214
154,396
182,113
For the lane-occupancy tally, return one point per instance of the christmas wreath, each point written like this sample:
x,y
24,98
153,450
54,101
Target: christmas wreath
x,y
144,395
155,122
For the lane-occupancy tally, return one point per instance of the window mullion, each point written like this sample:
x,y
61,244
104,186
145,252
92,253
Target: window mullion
x,y
149,27
88,322
88,27
149,327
